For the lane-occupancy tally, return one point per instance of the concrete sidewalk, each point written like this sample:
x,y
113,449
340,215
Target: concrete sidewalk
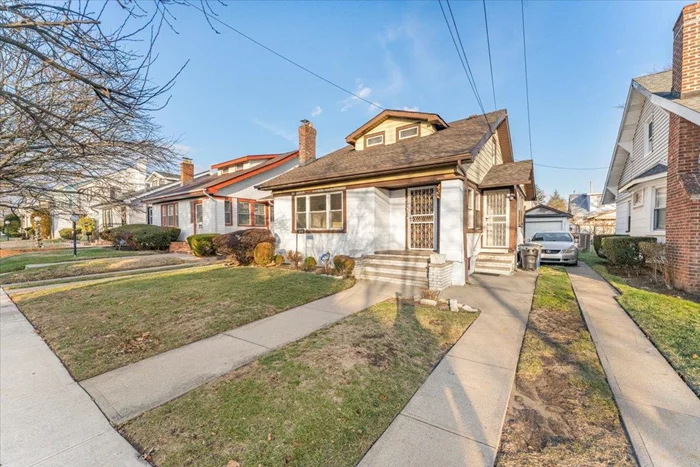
x,y
47,418
131,390
659,411
456,417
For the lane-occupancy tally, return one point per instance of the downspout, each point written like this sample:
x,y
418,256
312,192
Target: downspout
x,y
465,219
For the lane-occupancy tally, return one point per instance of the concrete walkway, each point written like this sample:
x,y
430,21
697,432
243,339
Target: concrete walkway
x,y
456,417
46,418
659,411
131,390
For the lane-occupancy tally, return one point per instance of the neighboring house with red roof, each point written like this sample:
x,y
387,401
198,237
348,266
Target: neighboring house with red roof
x,y
224,200
419,200
654,175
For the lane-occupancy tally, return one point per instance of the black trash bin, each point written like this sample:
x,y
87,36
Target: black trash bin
x,y
529,253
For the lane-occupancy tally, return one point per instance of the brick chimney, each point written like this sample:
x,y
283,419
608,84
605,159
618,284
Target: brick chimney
x,y
307,143
186,170
682,203
686,52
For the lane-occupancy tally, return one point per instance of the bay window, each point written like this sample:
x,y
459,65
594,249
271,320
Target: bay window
x,y
319,212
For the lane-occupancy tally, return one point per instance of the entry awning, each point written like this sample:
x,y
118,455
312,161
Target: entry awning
x,y
511,174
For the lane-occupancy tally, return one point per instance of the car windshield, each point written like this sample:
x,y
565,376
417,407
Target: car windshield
x,y
552,237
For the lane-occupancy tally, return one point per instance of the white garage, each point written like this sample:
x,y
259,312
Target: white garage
x,y
545,219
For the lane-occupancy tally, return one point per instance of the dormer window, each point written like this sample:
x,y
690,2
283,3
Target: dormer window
x,y
374,140
407,132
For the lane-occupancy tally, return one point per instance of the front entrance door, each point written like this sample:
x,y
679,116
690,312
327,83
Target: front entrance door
x,y
421,218
496,219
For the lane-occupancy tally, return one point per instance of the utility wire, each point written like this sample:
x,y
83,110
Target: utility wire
x,y
488,44
527,87
226,25
571,168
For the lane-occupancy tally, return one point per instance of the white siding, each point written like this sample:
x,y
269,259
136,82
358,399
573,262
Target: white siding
x,y
452,227
397,221
389,127
638,161
642,222
382,220
621,210
358,240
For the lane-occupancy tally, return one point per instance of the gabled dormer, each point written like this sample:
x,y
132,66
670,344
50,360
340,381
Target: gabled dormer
x,y
241,163
392,126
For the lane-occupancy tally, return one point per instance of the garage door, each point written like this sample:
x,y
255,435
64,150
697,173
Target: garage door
x,y
532,226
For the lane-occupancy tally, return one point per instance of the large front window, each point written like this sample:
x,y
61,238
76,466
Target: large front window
x,y
660,209
252,214
319,212
169,215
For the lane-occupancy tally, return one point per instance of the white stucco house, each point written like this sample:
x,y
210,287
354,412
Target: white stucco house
x,y
412,196
222,200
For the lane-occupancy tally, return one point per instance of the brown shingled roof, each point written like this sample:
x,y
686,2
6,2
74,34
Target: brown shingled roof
x,y
460,140
661,84
510,174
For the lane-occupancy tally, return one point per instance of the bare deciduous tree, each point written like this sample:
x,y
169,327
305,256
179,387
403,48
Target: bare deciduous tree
x,y
76,102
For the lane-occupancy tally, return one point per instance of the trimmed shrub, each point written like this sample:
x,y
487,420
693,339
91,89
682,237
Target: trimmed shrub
x,y
343,265
11,229
624,251
309,263
67,233
239,246
278,259
144,236
598,243
45,222
106,235
263,253
202,244
294,257
86,225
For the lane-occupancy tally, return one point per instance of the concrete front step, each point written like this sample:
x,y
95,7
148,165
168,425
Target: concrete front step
x,y
394,279
494,257
417,272
399,258
492,271
494,264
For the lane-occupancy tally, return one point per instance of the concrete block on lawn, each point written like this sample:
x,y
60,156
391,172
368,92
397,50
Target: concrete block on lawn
x,y
411,443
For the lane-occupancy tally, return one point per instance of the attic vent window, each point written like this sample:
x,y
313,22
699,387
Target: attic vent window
x,y
408,132
374,140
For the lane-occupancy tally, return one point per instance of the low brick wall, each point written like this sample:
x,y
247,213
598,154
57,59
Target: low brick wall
x,y
439,275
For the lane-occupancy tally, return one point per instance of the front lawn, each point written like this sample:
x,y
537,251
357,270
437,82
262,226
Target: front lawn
x,y
96,266
672,323
18,262
321,401
100,327
562,411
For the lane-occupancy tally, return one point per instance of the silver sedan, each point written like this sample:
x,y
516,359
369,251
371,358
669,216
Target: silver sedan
x,y
557,247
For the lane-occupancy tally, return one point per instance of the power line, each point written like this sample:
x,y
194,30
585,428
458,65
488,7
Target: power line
x,y
527,87
571,168
488,44
226,25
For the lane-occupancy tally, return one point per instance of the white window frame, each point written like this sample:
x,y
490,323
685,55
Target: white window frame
x,y
639,204
415,127
307,211
371,137
649,138
470,209
654,208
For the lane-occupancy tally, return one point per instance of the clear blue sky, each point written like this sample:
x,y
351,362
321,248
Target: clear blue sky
x,y
235,98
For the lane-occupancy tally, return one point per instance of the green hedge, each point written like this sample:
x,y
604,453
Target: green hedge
x,y
598,243
624,251
67,233
202,244
143,236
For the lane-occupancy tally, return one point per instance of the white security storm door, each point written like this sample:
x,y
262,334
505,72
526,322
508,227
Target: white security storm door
x,y
496,219
421,218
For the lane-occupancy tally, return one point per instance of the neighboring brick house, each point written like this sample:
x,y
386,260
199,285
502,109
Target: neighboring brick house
x,y
417,198
223,200
654,175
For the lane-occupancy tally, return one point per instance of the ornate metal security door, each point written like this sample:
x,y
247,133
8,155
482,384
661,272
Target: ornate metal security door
x,y
421,218
496,219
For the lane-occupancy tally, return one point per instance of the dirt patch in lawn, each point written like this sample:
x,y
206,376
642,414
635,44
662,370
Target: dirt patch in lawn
x,y
321,401
643,278
562,410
